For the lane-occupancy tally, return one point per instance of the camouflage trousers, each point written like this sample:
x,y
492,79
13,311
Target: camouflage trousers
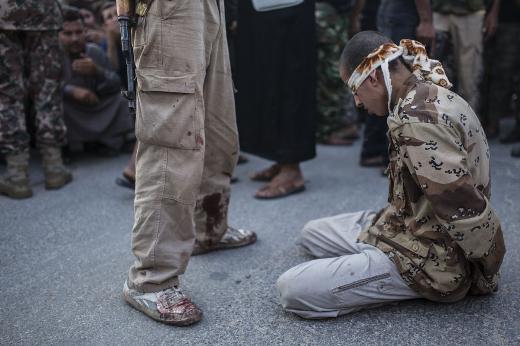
x,y
30,75
500,74
332,96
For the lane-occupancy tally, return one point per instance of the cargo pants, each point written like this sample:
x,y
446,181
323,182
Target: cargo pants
x,y
467,44
347,275
187,137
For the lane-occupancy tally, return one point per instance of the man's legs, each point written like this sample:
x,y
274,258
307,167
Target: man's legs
x,y
13,135
443,50
166,186
221,154
170,68
360,277
45,90
14,139
397,23
331,94
466,33
503,73
162,238
336,235
45,87
221,145
175,122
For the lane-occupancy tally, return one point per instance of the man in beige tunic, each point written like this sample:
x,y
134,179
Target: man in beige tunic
x,y
438,238
187,151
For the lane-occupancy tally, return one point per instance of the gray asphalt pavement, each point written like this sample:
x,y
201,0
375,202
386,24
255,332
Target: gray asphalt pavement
x,y
64,257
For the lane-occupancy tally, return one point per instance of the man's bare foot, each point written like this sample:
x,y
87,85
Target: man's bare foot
x,y
129,173
266,174
288,181
128,179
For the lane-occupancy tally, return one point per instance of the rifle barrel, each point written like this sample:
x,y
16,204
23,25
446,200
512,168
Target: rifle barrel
x,y
126,47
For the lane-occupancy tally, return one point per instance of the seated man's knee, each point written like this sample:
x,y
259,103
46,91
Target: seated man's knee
x,y
289,290
300,294
310,230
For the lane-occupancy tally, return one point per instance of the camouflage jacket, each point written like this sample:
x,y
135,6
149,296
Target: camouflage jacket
x,y
29,15
439,227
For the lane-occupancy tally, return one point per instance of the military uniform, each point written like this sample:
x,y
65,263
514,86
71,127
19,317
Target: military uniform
x,y
187,137
30,67
332,97
441,237
30,74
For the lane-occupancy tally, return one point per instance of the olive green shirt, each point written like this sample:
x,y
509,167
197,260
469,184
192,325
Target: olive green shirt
x,y
439,227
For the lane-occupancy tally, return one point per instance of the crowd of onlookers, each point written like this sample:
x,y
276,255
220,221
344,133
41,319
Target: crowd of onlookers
x,y
96,114
477,41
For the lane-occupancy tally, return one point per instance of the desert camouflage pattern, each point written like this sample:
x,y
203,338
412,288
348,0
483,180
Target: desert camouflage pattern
x,y
30,69
332,98
30,15
439,227
414,55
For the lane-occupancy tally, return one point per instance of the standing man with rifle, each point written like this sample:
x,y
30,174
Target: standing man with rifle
x,y
187,148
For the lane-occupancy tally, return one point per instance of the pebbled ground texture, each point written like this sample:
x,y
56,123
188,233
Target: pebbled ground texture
x,y
65,253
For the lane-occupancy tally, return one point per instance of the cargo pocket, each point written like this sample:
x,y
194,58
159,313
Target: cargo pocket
x,y
169,112
364,291
360,283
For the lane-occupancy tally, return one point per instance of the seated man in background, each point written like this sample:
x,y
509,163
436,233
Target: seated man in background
x,y
87,9
95,112
108,15
438,238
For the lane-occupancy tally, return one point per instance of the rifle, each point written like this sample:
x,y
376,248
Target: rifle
x,y
125,17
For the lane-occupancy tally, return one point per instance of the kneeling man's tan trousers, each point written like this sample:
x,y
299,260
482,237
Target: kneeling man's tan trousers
x,y
188,143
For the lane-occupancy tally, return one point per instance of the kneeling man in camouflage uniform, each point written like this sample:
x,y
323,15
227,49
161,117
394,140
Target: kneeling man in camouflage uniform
x,y
187,151
438,238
